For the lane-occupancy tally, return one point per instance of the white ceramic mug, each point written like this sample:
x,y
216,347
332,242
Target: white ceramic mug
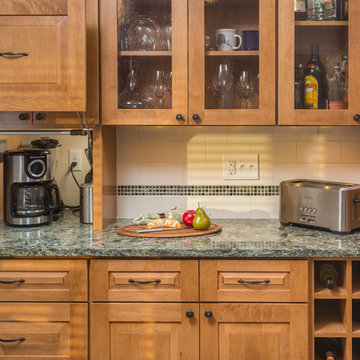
x,y
226,40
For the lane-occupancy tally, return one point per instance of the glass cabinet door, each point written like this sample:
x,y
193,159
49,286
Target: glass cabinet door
x,y
232,62
144,62
319,62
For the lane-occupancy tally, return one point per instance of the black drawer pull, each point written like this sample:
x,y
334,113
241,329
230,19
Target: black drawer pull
x,y
12,281
132,281
14,53
241,281
12,340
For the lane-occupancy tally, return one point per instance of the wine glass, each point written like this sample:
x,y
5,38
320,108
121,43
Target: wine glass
x,y
222,83
159,85
245,88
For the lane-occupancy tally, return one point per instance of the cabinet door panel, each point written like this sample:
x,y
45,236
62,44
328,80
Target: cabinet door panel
x,y
45,331
208,63
254,331
144,332
50,76
33,7
128,65
335,39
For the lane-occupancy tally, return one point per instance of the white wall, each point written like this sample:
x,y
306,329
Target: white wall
x,y
193,156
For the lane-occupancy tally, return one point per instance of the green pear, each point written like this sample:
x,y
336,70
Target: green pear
x,y
201,220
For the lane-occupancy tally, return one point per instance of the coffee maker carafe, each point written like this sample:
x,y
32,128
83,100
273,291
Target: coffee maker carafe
x,y
29,192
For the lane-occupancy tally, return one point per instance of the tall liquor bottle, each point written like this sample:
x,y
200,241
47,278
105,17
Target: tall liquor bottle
x,y
300,9
328,276
315,92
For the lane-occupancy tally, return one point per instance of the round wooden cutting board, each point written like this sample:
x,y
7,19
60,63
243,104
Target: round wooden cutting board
x,y
130,230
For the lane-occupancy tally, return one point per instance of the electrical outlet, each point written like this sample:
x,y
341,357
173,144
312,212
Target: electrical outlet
x,y
76,155
241,167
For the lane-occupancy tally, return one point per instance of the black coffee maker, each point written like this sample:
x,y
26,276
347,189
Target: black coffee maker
x,y
30,196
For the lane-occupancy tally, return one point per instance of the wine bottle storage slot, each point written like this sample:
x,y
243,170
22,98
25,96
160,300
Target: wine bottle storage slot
x,y
356,349
330,318
356,279
325,347
330,279
356,318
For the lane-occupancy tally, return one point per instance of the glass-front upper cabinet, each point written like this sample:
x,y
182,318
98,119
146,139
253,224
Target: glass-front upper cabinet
x,y
319,62
232,54
144,62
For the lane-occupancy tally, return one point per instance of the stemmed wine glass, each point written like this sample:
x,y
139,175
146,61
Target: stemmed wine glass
x,y
222,83
159,84
245,88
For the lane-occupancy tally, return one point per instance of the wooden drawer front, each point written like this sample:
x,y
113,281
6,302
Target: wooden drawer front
x,y
43,280
144,280
48,331
236,280
33,7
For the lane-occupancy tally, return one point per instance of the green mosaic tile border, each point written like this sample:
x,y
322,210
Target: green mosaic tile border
x,y
198,190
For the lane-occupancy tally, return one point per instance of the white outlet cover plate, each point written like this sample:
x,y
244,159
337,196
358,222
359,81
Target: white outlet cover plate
x,y
247,167
75,155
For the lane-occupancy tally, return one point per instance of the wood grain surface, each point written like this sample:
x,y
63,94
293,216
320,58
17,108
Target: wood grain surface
x,y
130,230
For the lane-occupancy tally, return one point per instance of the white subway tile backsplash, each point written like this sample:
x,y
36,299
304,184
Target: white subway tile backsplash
x,y
340,172
264,207
193,155
339,133
319,152
162,174
229,207
296,133
295,171
174,152
351,152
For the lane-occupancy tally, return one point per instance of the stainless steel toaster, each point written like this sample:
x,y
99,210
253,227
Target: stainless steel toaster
x,y
329,205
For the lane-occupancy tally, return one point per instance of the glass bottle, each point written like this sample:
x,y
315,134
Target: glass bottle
x,y
315,10
344,69
328,276
315,81
337,89
142,34
330,10
345,9
299,87
300,9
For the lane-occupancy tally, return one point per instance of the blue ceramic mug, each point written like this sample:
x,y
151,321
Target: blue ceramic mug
x,y
250,40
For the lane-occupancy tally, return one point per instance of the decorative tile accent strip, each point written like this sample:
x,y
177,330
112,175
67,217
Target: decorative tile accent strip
x,y
198,190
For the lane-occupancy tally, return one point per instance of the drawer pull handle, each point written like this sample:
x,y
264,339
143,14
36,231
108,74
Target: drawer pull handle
x,y
132,281
14,53
12,281
12,340
208,314
241,281
190,314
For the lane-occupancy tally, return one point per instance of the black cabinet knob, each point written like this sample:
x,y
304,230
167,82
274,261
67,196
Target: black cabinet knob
x,y
357,117
39,116
23,116
196,117
179,117
208,314
189,314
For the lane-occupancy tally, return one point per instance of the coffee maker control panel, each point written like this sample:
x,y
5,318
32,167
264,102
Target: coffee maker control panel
x,y
35,166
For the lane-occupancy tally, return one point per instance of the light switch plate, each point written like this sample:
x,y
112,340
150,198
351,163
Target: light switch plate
x,y
241,167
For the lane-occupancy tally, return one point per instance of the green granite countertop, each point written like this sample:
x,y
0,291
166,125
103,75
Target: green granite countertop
x,y
240,238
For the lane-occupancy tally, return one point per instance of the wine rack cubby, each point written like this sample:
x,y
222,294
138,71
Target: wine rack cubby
x,y
335,307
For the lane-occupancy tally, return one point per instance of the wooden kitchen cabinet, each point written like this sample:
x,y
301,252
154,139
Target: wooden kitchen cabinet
x,y
335,39
43,55
144,331
253,331
130,93
43,331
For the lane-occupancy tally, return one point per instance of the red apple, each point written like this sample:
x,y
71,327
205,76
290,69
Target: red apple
x,y
188,217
